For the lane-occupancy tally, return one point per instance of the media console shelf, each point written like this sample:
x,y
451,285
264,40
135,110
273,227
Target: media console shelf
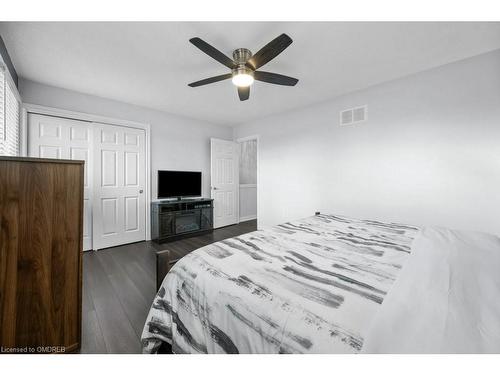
x,y
171,220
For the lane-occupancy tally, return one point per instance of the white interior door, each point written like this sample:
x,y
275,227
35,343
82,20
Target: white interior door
x,y
224,181
119,203
61,138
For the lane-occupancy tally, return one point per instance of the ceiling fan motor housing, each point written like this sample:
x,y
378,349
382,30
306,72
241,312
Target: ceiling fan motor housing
x,y
241,56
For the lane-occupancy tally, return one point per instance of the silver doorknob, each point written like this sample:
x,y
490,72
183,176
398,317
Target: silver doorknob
x,y
141,191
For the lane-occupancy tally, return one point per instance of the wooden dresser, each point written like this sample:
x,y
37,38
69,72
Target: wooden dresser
x,y
41,229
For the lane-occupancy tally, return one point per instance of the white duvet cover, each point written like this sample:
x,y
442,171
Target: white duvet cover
x,y
445,300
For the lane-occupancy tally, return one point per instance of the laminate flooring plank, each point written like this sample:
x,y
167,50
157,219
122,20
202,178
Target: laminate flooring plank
x,y
92,337
119,334
134,302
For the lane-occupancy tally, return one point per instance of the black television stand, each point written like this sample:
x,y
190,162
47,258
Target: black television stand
x,y
171,220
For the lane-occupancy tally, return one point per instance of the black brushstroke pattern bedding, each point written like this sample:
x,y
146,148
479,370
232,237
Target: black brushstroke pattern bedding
x,y
310,286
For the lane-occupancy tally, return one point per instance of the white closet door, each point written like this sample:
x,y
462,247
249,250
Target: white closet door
x,y
225,181
61,138
119,181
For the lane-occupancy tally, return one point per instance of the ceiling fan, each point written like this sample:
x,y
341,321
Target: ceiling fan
x,y
244,65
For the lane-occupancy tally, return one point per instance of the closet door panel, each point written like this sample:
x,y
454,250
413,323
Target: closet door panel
x,y
119,211
61,138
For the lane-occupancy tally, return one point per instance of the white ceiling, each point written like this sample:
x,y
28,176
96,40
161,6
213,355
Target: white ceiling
x,y
150,64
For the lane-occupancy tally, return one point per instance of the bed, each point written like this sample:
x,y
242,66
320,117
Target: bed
x,y
331,284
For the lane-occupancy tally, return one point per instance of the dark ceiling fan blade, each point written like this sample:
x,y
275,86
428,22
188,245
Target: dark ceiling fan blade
x,y
213,52
277,79
206,81
269,51
244,93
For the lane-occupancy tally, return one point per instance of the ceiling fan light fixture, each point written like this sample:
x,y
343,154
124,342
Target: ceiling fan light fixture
x,y
242,77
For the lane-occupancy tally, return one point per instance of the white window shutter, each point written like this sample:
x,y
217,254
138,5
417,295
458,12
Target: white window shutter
x,y
12,123
10,117
2,110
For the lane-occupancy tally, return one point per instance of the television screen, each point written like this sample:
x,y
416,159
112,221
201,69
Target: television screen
x,y
173,184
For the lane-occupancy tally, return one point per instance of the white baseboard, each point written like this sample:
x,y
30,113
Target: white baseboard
x,y
247,218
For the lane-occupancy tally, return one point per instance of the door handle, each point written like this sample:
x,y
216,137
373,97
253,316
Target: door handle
x,y
214,188
141,191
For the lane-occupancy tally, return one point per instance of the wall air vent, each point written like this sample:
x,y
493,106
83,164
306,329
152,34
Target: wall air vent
x,y
353,115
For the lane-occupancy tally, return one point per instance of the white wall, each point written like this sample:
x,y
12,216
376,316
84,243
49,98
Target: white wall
x,y
428,154
177,143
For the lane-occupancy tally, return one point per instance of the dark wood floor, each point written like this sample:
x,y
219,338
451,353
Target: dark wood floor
x,y
119,286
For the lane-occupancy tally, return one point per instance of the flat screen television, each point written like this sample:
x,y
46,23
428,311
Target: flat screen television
x,y
179,184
